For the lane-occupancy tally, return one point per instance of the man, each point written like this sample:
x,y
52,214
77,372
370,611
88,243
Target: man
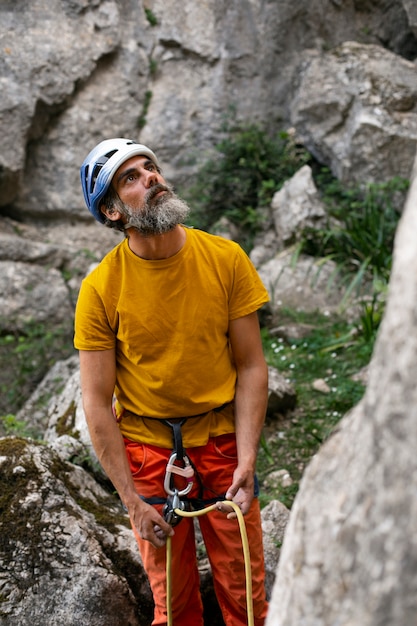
x,y
172,370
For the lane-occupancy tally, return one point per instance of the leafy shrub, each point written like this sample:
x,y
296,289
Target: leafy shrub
x,y
151,17
364,230
359,236
250,167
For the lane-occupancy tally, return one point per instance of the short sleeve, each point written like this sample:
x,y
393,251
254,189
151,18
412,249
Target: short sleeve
x,y
92,328
248,292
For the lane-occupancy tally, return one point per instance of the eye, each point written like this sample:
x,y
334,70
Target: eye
x,y
130,178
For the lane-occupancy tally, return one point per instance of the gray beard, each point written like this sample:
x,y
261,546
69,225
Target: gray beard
x,y
158,215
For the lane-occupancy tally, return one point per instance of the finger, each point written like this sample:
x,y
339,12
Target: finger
x,y
229,510
160,536
223,506
159,532
163,530
231,493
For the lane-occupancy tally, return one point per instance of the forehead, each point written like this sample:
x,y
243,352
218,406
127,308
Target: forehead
x,y
135,161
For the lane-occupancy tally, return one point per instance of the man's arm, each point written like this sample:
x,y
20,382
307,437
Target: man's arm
x,y
250,404
98,376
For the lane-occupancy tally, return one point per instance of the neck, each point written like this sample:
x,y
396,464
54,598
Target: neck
x,y
156,247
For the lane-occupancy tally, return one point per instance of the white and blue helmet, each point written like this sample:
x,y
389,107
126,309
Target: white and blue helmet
x,y
100,165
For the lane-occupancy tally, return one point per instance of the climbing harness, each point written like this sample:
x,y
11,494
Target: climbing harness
x,y
175,509
173,502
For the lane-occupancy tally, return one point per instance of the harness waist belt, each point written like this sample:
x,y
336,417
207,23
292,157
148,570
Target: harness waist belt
x,y
174,420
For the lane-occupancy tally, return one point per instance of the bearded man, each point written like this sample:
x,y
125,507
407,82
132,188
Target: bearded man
x,y
174,381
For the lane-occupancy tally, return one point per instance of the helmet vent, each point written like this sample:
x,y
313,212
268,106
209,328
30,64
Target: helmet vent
x,y
98,167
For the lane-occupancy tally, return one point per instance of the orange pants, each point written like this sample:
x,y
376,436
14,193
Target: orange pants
x,y
215,463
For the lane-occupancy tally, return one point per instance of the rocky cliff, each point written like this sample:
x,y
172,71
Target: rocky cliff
x,y
76,71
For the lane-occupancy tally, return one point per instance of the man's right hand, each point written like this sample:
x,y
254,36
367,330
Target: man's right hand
x,y
149,524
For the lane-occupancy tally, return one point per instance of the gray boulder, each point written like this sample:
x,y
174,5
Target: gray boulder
x,y
362,120
67,554
297,206
281,394
301,282
33,293
274,522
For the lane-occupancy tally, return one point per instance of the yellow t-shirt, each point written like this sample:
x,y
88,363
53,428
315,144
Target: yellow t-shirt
x,y
168,321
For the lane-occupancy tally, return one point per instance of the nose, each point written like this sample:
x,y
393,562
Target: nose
x,y
151,178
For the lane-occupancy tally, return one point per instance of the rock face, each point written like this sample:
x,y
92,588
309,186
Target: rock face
x,y
350,550
42,268
78,71
28,288
362,122
67,554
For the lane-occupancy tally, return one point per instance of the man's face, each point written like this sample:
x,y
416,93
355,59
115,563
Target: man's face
x,y
135,178
147,202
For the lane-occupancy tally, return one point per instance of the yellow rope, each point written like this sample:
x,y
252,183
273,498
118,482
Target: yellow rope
x,y
246,555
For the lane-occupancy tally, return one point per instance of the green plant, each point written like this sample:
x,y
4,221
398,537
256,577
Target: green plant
x,y
365,228
151,17
145,108
13,426
153,67
371,317
360,233
250,166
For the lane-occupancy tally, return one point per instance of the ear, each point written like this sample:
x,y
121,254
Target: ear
x,y
111,214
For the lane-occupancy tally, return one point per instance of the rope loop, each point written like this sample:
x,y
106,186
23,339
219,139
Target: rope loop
x,y
246,556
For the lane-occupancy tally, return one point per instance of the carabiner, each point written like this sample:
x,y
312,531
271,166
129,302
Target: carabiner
x,y
186,472
173,504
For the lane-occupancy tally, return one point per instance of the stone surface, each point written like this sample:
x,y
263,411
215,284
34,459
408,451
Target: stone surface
x,y
169,81
362,122
42,267
67,554
274,522
296,207
281,394
411,10
33,293
36,411
301,282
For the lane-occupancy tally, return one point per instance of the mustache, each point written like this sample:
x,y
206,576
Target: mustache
x,y
153,191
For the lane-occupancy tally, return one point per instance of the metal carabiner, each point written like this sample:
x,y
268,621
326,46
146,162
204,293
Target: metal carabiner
x,y
186,472
172,504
